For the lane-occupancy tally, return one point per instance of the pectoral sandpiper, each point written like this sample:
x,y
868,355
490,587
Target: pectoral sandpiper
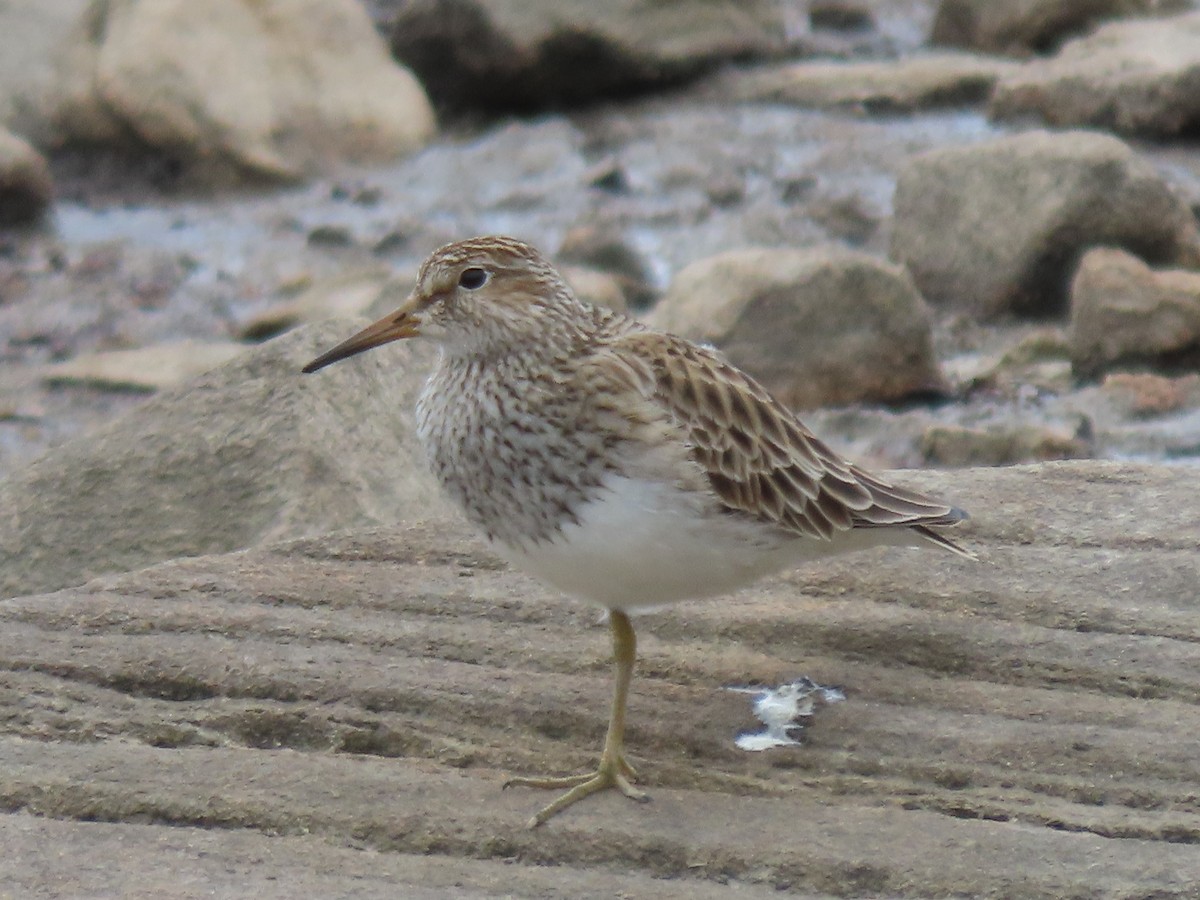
x,y
625,466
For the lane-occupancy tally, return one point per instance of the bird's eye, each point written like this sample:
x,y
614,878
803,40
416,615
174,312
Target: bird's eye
x,y
472,278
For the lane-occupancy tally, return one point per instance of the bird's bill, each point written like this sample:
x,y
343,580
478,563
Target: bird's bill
x,y
392,327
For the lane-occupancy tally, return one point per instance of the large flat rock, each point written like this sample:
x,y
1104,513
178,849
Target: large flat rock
x,y
335,716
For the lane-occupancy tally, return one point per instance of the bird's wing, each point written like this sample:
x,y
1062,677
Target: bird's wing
x,y
759,457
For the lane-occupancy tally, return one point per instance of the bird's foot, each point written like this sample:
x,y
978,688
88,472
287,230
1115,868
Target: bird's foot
x,y
609,774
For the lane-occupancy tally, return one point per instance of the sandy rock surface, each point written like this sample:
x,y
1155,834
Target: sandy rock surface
x,y
822,326
336,715
998,227
1134,78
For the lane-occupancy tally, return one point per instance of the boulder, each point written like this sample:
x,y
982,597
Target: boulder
x,y
998,227
1123,313
1136,78
26,186
520,54
250,451
904,85
229,88
818,327
1021,27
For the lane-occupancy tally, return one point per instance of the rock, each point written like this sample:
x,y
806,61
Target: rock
x,y
231,88
1040,360
1021,27
1123,313
1144,394
818,327
250,451
960,446
609,251
522,54
310,718
153,368
904,85
1136,78
37,40
353,293
998,227
26,186
840,15
596,287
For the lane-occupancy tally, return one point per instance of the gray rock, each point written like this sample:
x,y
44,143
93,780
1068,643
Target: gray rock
x,y
1136,78
334,717
26,186
1021,27
250,451
1124,313
505,54
918,82
998,227
818,327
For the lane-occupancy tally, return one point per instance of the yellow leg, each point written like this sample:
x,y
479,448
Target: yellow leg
x,y
613,771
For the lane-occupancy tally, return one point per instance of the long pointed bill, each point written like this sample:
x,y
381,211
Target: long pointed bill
x,y
392,327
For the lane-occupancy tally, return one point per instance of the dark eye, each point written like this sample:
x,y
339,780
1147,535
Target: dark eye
x,y
472,278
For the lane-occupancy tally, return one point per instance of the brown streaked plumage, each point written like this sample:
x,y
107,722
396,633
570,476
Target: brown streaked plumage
x,y
624,465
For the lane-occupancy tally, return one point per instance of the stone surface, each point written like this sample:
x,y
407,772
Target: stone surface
x,y
229,88
26,186
1146,395
335,717
818,327
1125,314
357,292
505,54
920,82
1021,27
1136,78
608,250
596,287
252,450
37,38
961,446
999,226
152,368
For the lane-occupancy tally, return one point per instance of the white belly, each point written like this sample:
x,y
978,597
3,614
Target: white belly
x,y
646,543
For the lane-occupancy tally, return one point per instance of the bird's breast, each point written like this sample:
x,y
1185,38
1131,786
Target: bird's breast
x,y
515,460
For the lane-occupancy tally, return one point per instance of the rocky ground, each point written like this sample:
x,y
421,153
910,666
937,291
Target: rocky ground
x,y
249,651
337,714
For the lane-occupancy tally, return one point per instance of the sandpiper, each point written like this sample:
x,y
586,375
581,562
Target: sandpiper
x,y
625,466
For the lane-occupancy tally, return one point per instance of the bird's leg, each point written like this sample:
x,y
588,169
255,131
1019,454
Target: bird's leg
x,y
613,771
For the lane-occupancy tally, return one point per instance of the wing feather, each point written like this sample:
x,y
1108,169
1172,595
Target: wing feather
x,y
759,458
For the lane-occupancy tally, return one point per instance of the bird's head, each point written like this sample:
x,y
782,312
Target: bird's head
x,y
482,296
